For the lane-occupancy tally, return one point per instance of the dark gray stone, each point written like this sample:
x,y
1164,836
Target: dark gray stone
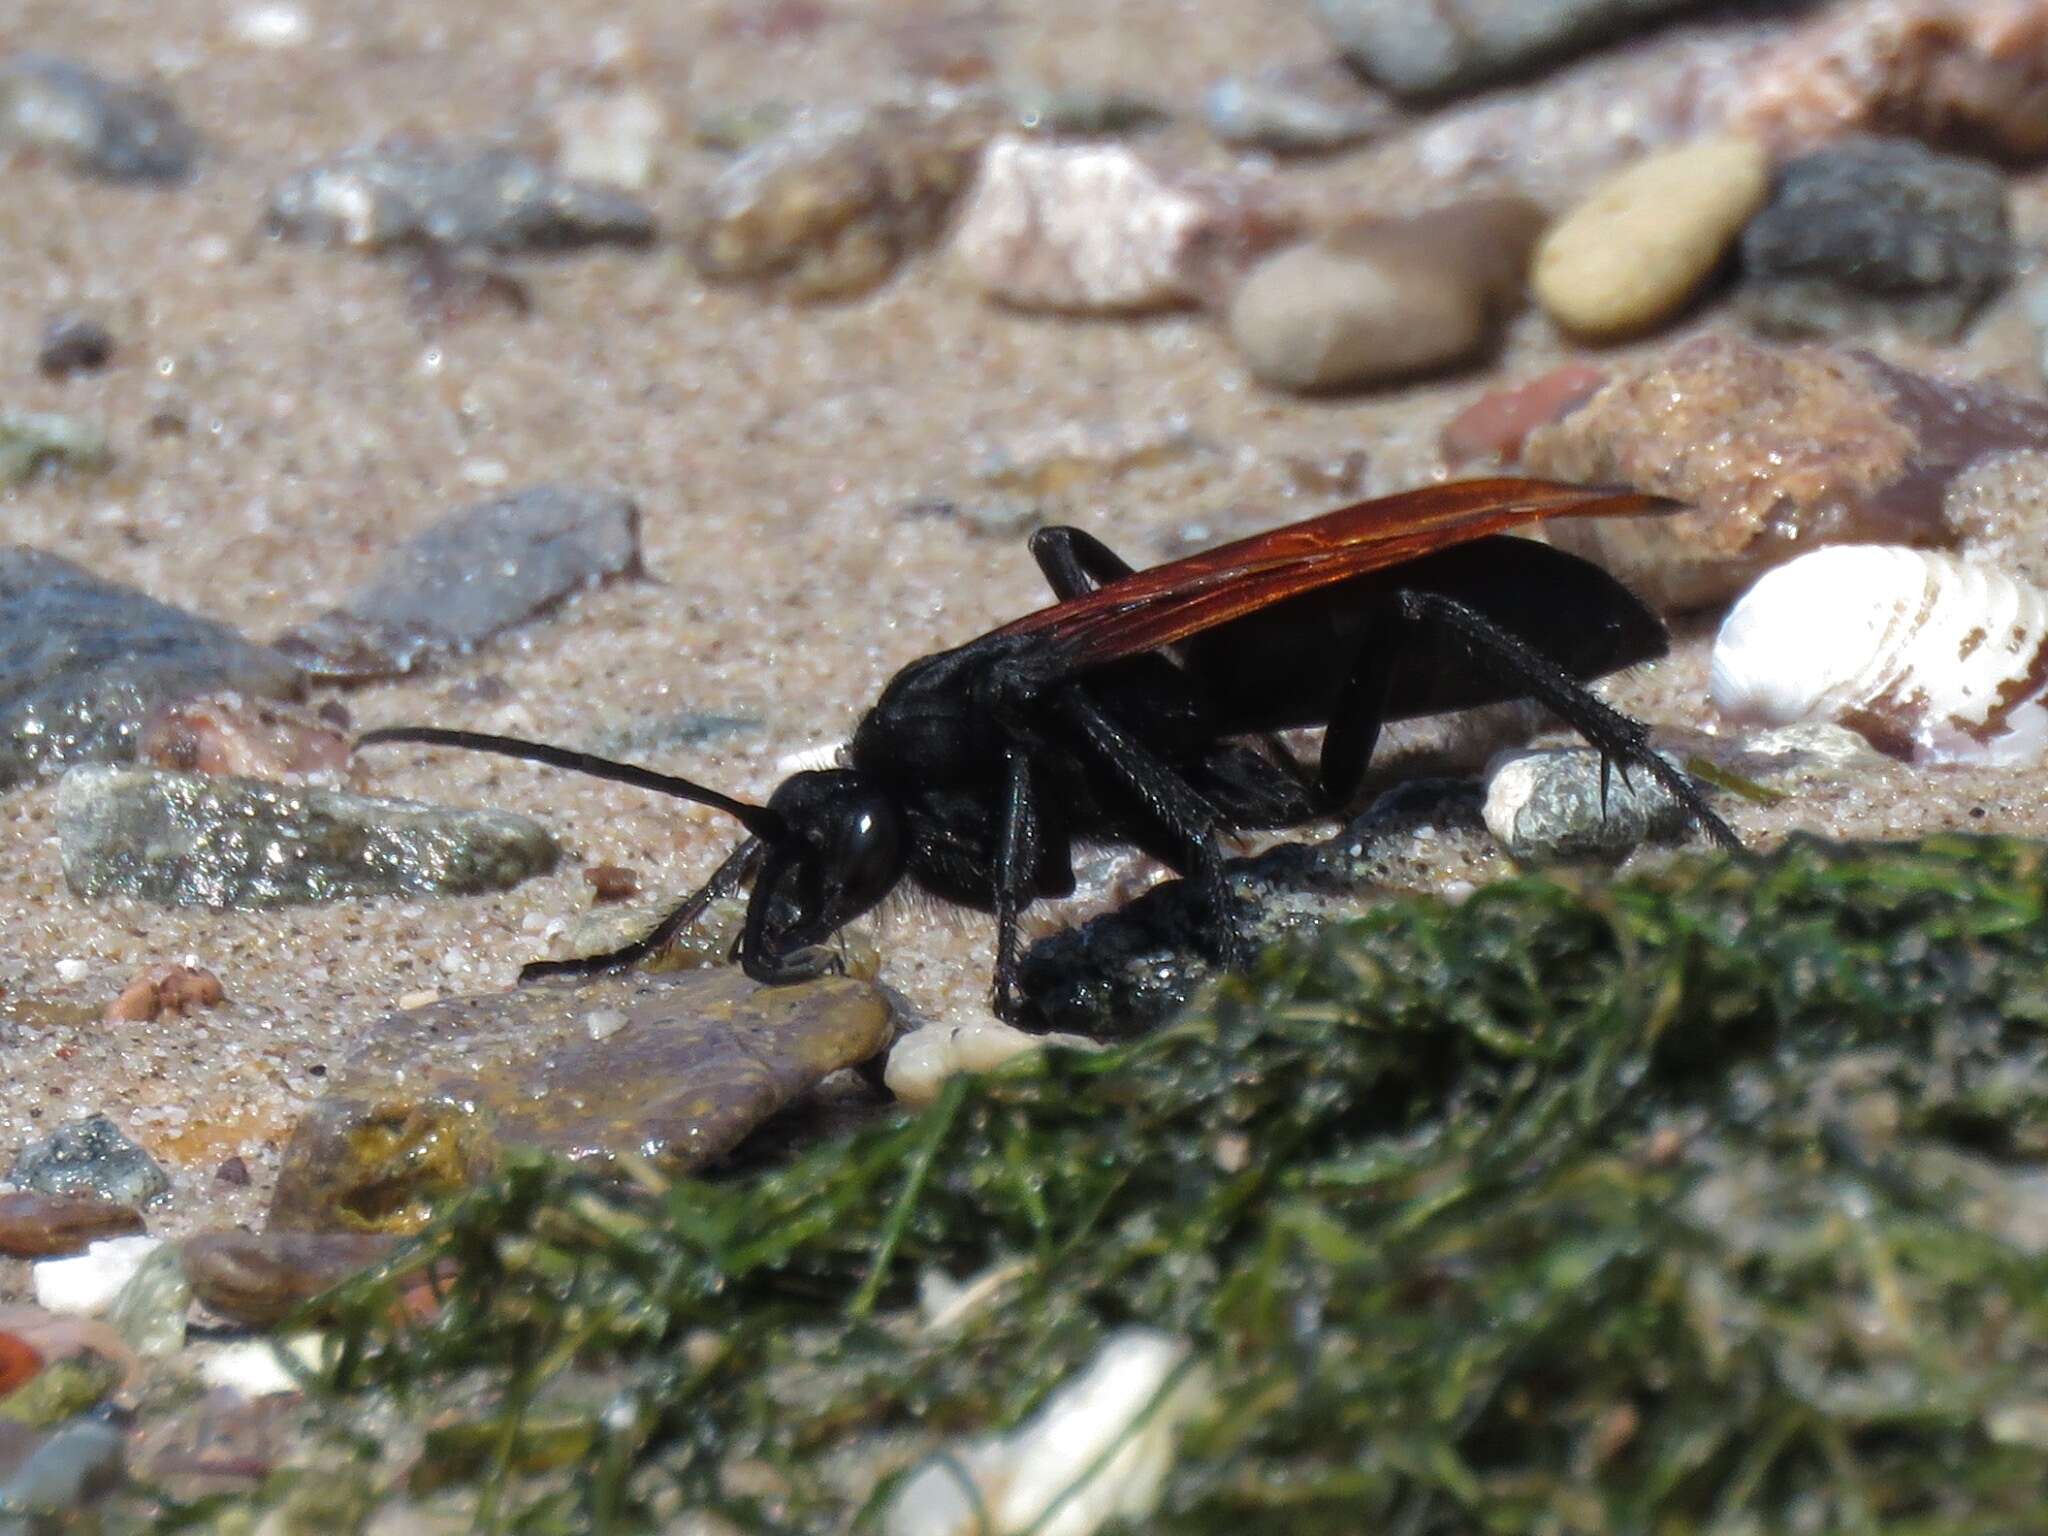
x,y
90,1157
83,663
73,344
192,840
409,194
1870,233
1427,47
99,127
1297,111
470,576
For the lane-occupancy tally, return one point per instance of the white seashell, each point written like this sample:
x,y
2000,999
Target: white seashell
x,y
1932,658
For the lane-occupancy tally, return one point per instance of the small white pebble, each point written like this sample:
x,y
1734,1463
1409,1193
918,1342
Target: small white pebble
x,y
69,969
88,1283
257,1368
485,472
411,1000
603,1023
272,26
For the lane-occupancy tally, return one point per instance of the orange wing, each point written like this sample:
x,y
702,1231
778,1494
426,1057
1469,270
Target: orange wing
x,y
1169,603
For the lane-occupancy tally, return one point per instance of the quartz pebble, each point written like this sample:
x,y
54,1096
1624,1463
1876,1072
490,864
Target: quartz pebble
x,y
1102,228
187,840
97,126
248,738
401,194
1428,47
1638,247
1969,75
261,1278
149,1310
922,1062
470,576
1379,299
1573,803
1776,451
90,1157
1297,111
827,206
609,139
84,662
37,1225
1875,233
89,1283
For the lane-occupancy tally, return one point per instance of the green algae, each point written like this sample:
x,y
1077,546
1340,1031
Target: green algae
x,y
1709,1201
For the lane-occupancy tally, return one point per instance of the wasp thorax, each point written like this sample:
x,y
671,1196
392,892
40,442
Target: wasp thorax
x,y
1932,657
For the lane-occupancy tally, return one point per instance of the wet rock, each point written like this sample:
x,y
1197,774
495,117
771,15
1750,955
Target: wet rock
x,y
165,989
470,576
410,194
1494,427
1779,450
1572,803
97,126
1120,974
1639,246
678,1069
828,206
90,1157
36,1225
1299,110
62,1391
1382,298
30,440
149,1311
1877,233
73,344
247,738
83,662
1101,228
185,840
1428,47
1085,112
1962,74
261,1278
78,1463
609,138
1552,137
232,1171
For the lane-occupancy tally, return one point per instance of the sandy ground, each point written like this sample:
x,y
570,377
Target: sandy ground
x,y
771,450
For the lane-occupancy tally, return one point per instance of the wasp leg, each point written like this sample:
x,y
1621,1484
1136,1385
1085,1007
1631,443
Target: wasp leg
x,y
1075,563
1016,874
1514,661
1361,708
739,867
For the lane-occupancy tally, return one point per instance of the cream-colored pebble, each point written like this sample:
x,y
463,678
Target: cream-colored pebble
x,y
1644,240
921,1062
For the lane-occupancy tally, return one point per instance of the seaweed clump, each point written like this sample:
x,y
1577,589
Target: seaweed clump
x,y
1713,1200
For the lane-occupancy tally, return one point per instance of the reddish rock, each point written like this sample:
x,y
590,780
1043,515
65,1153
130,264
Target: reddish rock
x,y
247,737
1965,74
1493,427
165,989
1780,451
19,1362
611,882
34,1225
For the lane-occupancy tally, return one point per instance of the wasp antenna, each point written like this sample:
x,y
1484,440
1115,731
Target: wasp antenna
x,y
757,819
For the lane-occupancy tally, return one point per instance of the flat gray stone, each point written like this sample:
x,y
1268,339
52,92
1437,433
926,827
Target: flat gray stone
x,y
1427,47
97,126
90,1157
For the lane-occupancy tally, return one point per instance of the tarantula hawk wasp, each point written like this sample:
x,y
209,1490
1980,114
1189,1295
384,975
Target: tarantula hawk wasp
x,y
1142,706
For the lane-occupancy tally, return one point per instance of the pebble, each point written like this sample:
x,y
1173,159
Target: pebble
x,y
1871,234
403,194
67,1388
38,1225
1312,110
20,1363
83,662
90,1157
31,440
828,206
434,1095
97,126
1381,299
73,344
1494,427
609,138
248,738
1085,112
87,1285
922,1062
149,1311
76,1464
1570,804
1430,47
261,1278
165,989
471,576
187,840
1100,228
1961,74
1778,451
258,1368
1640,245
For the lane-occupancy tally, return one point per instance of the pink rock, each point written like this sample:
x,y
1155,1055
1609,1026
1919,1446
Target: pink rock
x,y
1968,74
1779,451
1494,426
1099,227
